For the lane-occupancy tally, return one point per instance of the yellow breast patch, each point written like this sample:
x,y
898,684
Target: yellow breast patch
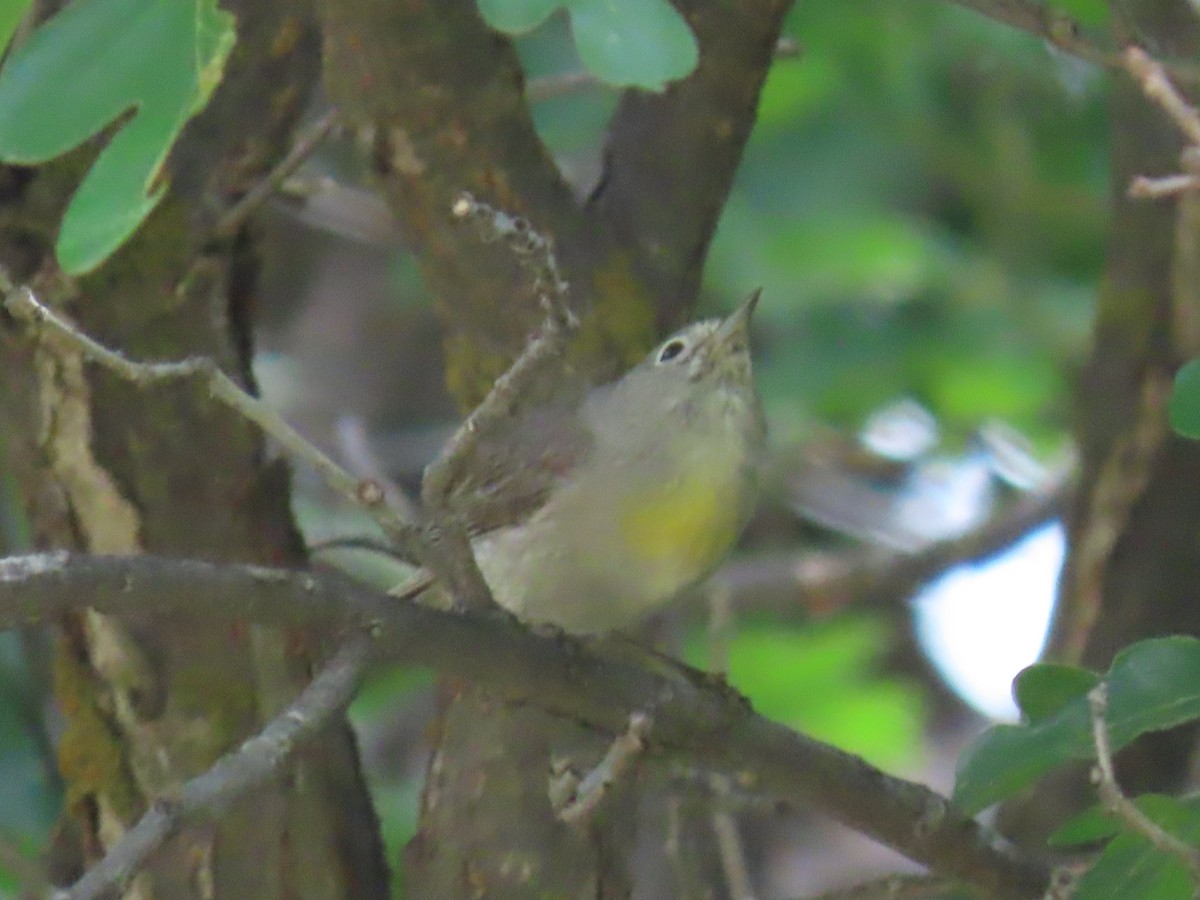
x,y
679,530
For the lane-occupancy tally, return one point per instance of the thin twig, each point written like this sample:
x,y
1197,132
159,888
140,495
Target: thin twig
x,y
359,457
1122,807
593,787
533,249
1057,28
1155,84
445,534
731,849
1144,187
273,181
259,759
24,306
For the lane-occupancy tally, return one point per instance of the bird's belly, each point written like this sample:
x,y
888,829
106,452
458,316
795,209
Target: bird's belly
x,y
590,570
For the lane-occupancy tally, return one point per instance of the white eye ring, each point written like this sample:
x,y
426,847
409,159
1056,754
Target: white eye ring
x,y
672,349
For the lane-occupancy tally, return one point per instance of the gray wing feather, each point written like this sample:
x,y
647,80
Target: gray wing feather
x,y
512,472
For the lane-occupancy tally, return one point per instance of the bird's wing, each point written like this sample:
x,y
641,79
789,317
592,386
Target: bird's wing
x,y
513,470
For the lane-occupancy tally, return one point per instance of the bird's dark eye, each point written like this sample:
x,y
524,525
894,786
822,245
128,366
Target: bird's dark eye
x,y
671,349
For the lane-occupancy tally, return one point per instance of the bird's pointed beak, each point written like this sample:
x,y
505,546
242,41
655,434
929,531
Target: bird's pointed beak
x,y
736,325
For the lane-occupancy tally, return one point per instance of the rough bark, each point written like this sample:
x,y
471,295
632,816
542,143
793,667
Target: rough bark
x,y
152,700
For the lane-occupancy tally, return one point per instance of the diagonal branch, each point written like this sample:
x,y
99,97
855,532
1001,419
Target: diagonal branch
x,y
1057,28
259,759
1052,24
597,684
786,582
671,157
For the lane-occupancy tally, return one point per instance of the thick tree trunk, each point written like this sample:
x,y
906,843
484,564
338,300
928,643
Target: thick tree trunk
x,y
105,467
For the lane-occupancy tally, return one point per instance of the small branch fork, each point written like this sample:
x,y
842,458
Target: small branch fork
x,y
1151,75
1115,801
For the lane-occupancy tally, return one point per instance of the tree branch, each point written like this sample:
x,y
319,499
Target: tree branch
x,y
663,206
260,758
599,684
1060,30
1049,23
787,582
23,306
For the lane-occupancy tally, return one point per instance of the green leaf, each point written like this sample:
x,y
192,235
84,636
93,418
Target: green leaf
x,y
92,63
1184,408
1088,827
11,13
1131,867
626,43
1044,689
1152,685
635,43
517,16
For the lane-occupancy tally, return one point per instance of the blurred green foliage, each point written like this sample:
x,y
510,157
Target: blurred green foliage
x,y
825,681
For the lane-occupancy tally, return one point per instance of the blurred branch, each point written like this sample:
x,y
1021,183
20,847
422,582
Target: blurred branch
x,y
1047,22
803,583
1120,484
600,684
548,87
1144,187
898,887
302,148
1059,29
260,758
